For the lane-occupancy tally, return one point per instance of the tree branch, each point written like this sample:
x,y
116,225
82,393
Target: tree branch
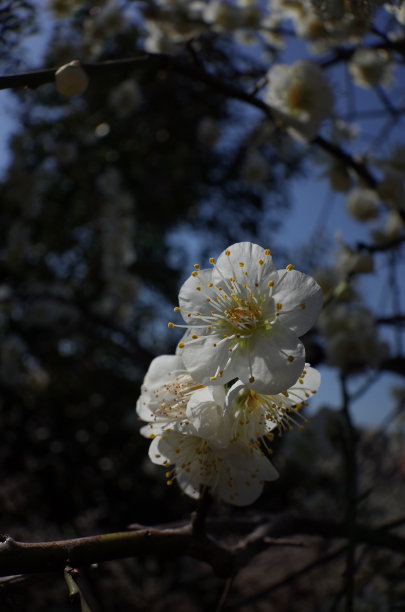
x,y
22,557
157,61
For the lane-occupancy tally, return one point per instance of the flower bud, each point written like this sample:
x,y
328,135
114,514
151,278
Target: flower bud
x,y
362,204
71,80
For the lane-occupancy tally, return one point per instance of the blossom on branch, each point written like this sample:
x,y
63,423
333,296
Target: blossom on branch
x,y
243,319
301,95
214,436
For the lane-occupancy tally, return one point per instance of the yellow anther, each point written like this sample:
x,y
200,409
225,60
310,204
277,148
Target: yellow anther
x,y
267,252
251,379
213,377
196,266
194,273
279,306
289,267
198,288
211,285
152,435
170,324
194,336
260,262
303,306
227,252
212,260
176,309
241,264
285,393
290,358
181,345
271,283
169,483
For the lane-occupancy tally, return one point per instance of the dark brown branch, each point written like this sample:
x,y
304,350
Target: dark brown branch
x,y
349,448
394,364
24,558
154,62
393,320
336,151
376,248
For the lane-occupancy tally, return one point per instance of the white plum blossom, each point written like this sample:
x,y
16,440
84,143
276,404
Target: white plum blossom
x,y
214,436
301,95
255,416
239,375
370,67
362,204
244,318
165,393
235,474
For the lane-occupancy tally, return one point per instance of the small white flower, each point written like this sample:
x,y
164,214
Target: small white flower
x,y
244,318
362,204
301,94
166,390
236,474
212,436
370,67
198,452
254,416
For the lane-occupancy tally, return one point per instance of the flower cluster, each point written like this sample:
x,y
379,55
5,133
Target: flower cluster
x,y
238,376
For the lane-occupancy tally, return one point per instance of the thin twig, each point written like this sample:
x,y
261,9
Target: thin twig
x,y
351,512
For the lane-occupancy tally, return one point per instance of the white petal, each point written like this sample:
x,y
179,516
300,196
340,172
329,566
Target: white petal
x,y
233,392
205,356
193,300
242,264
267,361
205,412
242,478
306,385
155,453
301,299
161,368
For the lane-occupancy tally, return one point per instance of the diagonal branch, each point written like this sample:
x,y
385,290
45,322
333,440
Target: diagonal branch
x,y
156,61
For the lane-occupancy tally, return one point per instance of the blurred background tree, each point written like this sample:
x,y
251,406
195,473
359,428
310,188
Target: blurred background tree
x,y
107,200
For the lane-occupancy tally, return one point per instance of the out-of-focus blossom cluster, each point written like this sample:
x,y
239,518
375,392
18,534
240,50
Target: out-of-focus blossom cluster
x,y
239,374
348,327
